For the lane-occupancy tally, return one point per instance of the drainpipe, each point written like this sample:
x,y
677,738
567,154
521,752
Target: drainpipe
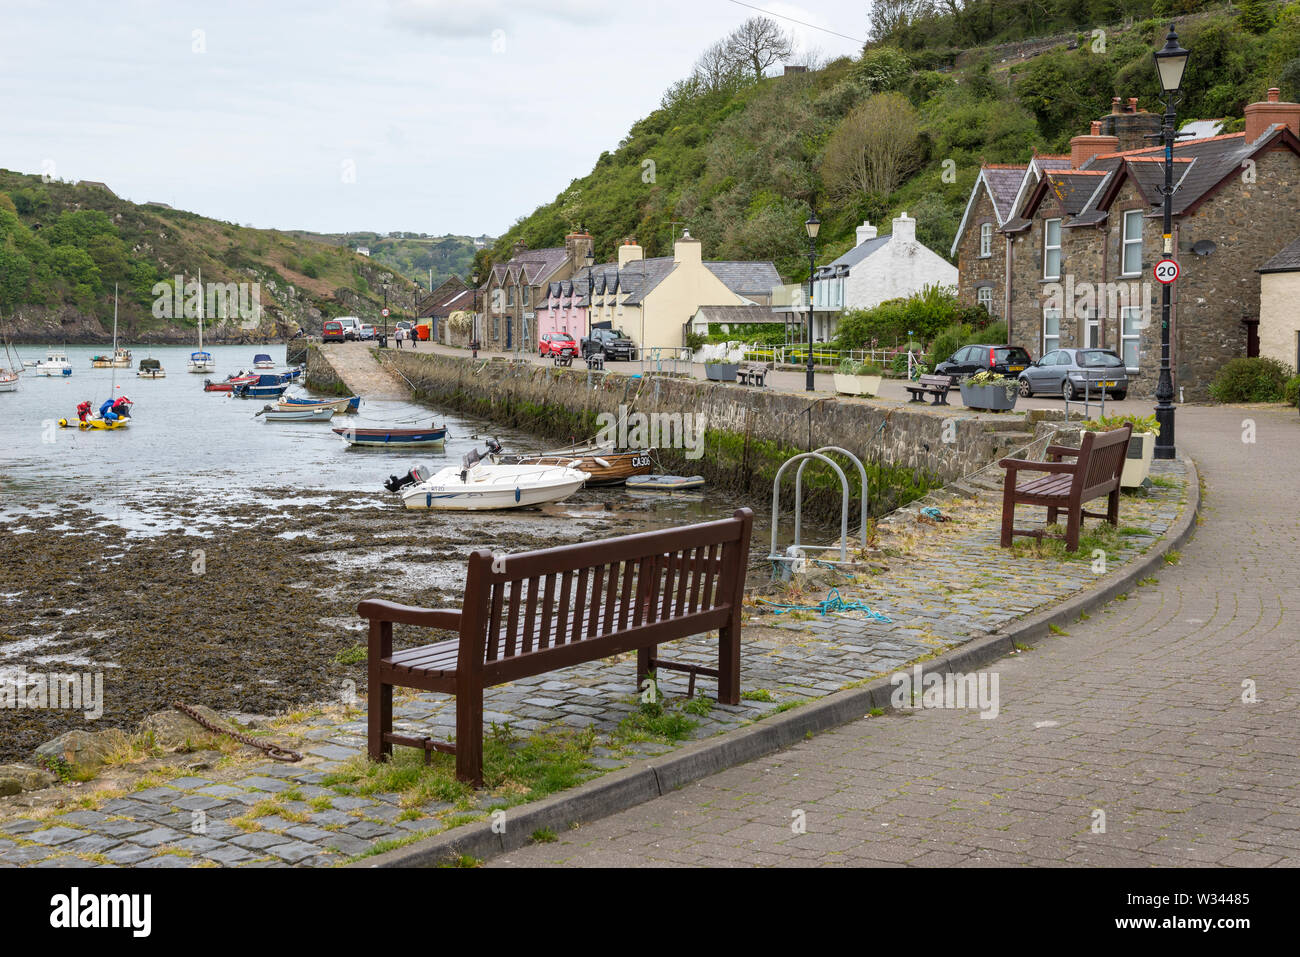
x,y
1105,272
1007,283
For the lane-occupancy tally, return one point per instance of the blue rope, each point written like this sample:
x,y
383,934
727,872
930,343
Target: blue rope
x,y
833,603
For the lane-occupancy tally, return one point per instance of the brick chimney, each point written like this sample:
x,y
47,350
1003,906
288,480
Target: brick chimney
x,y
1260,116
865,232
687,251
1084,148
576,246
1131,126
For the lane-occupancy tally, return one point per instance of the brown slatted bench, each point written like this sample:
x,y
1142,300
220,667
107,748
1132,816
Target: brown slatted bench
x,y
536,612
935,385
1096,471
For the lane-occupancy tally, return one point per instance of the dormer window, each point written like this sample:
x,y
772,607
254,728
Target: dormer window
x,y
1051,249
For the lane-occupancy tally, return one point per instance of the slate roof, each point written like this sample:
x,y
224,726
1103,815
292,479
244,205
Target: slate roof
x,y
1288,260
854,255
733,314
1074,188
746,278
534,265
1003,182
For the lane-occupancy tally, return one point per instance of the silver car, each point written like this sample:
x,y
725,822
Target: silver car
x,y
1074,372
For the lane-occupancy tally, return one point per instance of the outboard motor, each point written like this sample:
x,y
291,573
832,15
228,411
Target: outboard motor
x,y
493,447
414,477
472,458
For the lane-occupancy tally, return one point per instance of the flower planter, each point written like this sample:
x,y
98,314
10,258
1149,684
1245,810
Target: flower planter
x,y
722,371
857,384
1141,447
989,398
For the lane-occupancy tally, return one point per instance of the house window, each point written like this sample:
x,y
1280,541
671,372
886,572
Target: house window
x,y
527,294
1051,330
986,239
984,297
510,295
1131,263
1091,333
1051,249
1130,330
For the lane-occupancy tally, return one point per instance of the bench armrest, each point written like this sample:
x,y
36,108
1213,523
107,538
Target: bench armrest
x,y
1062,450
1012,465
377,608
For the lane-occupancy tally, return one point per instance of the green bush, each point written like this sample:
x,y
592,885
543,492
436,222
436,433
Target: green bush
x,y
1291,392
1251,380
949,341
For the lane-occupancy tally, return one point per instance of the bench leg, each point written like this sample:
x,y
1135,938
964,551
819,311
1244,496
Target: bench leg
x,y
1073,520
1052,512
643,658
379,696
729,662
469,735
1112,508
1008,508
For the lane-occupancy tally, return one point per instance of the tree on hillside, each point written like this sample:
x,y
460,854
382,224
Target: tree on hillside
x,y
757,44
890,16
874,148
718,70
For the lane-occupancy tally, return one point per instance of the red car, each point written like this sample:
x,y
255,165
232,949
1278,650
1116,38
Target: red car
x,y
332,332
558,344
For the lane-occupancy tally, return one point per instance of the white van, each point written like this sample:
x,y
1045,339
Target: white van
x,y
351,327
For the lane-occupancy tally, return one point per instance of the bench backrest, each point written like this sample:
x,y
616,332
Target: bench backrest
x,y
579,602
1101,461
935,380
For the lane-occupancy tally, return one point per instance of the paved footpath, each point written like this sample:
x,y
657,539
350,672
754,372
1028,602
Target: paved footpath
x,y
1137,713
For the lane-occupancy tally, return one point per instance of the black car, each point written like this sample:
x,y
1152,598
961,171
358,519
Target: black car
x,y
1009,361
609,342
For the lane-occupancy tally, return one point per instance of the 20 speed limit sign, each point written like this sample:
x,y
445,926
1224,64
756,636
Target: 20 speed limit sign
x,y
384,312
1166,271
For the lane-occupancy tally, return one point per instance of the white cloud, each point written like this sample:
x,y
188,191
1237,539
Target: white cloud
x,y
479,18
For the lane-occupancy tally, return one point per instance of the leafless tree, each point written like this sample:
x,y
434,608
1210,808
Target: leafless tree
x,y
874,148
757,44
717,69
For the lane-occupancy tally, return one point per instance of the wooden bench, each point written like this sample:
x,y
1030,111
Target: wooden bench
x,y
536,612
753,373
1096,470
935,385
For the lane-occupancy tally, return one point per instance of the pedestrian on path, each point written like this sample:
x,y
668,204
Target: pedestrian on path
x,y
399,335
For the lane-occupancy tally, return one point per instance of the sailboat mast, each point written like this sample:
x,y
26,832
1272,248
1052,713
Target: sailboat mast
x,y
200,310
112,393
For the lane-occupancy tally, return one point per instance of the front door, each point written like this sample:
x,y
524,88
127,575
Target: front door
x,y
509,339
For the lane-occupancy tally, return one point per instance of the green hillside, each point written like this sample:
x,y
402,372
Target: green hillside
x,y
740,162
64,245
415,256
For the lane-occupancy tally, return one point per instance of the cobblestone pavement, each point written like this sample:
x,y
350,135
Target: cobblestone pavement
x,y
939,584
1137,713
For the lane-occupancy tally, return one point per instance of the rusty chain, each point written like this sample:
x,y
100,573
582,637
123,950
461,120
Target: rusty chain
x,y
273,751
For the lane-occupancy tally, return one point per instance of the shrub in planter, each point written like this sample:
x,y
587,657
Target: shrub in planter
x,y
1291,392
720,370
988,390
1251,380
858,378
1141,446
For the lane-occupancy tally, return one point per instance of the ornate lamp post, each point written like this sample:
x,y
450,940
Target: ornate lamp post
x,y
1171,61
590,261
813,225
387,283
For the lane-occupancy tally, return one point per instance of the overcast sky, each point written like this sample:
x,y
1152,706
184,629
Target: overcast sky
x,y
433,116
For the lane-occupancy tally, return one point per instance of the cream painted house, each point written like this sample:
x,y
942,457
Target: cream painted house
x,y
653,300
1279,307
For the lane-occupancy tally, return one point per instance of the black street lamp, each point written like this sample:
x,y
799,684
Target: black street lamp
x,y
386,285
590,262
473,322
1170,63
813,225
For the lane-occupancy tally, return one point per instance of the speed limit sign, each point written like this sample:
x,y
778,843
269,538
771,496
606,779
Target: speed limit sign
x,y
384,311
1166,271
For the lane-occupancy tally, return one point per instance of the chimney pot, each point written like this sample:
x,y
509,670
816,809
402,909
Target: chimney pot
x,y
1132,104
1096,127
1274,94
1114,104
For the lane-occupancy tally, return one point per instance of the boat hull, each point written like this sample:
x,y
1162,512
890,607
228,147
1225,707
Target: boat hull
x,y
493,488
338,405
666,483
394,438
310,415
616,469
259,391
159,374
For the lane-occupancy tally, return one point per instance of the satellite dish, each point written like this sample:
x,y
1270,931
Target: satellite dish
x,y
1204,247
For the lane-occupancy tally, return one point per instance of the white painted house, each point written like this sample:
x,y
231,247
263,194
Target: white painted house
x,y
876,269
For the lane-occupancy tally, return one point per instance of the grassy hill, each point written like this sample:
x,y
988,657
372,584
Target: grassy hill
x,y
64,245
741,166
417,257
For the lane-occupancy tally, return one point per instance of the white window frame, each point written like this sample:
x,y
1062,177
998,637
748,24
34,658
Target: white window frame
x,y
1135,337
1050,312
1048,248
1091,324
984,297
986,240
1126,241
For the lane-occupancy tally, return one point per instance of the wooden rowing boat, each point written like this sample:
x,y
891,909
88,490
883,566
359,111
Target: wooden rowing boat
x,y
605,464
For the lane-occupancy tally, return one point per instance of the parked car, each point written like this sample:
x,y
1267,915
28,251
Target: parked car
x,y
557,344
1066,372
351,327
968,360
611,342
332,331
404,324
366,331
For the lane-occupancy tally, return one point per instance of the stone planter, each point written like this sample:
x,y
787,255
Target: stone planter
x,y
722,371
988,398
857,384
1141,447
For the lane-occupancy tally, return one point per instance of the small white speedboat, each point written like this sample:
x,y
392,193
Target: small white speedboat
x,y
479,485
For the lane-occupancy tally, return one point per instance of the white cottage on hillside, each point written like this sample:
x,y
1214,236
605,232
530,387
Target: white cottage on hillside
x,y
878,268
